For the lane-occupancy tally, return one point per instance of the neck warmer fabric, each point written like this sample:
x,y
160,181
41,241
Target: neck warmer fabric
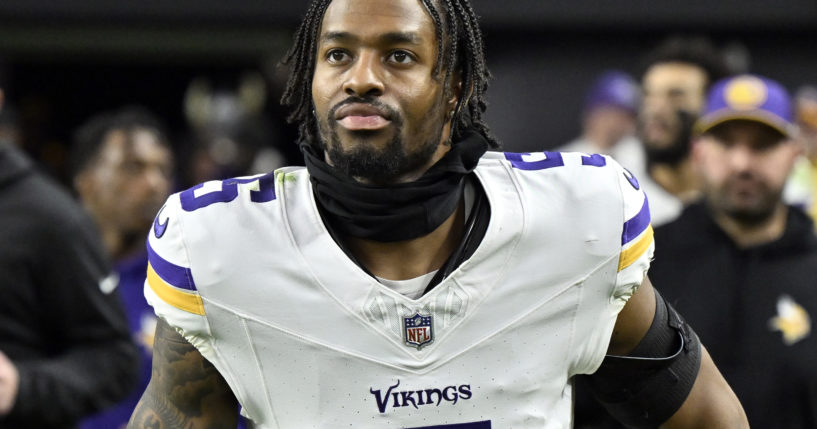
x,y
396,212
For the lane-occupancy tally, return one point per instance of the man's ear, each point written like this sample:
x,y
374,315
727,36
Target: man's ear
x,y
795,149
456,101
798,146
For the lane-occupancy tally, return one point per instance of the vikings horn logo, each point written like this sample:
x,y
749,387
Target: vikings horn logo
x,y
792,320
418,330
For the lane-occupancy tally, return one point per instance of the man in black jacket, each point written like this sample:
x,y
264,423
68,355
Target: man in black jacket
x,y
741,265
65,349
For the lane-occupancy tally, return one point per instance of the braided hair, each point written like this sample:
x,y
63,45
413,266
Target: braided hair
x,y
459,48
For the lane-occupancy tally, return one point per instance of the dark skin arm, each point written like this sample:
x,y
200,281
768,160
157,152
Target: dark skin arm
x,y
185,390
711,404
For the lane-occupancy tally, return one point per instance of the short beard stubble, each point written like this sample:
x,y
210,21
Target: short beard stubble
x,y
680,147
384,165
749,216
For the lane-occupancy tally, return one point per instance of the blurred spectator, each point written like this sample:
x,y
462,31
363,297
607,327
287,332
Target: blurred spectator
x,y
122,166
801,188
674,83
230,135
741,264
609,120
65,351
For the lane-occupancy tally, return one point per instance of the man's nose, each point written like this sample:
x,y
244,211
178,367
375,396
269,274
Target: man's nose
x,y
655,102
364,76
740,157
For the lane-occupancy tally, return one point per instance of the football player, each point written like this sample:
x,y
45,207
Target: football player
x,y
408,277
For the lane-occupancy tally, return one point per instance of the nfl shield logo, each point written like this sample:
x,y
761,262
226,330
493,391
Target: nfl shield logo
x,y
418,330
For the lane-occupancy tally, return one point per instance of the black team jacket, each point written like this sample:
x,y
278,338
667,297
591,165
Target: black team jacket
x,y
755,310
68,338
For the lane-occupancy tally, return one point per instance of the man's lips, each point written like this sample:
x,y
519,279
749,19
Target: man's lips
x,y
355,123
361,116
657,125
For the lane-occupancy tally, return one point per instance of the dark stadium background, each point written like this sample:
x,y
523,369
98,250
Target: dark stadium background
x,y
66,60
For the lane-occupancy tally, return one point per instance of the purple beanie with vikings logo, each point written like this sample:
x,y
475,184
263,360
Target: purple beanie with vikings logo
x,y
751,98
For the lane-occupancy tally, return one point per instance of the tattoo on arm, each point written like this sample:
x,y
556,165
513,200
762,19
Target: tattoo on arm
x,y
185,391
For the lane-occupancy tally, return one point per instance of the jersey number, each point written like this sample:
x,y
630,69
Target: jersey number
x,y
527,161
228,192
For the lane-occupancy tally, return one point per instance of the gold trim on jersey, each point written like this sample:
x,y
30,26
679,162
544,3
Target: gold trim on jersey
x,y
632,253
189,302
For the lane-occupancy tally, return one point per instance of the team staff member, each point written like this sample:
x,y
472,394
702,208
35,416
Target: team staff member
x,y
406,277
753,257
65,350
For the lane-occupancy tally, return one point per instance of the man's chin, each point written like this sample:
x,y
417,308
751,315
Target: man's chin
x,y
372,140
750,218
748,213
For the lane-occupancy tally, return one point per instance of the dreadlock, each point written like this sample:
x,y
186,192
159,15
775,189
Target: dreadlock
x,y
459,48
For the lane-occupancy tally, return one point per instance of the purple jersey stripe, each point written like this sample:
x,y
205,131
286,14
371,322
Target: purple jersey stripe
x,y
486,424
175,275
636,225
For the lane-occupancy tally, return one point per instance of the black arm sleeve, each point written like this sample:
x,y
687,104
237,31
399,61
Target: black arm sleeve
x,y
646,387
89,361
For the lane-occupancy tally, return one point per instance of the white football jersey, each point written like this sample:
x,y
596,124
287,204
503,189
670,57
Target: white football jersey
x,y
246,270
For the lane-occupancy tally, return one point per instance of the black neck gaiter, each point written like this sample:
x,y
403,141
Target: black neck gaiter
x,y
396,212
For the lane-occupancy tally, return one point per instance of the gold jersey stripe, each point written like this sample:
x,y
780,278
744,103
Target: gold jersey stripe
x,y
189,302
635,251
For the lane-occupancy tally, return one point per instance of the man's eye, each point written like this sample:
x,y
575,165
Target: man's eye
x,y
401,57
336,56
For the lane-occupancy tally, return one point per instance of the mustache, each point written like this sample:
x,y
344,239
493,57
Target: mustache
x,y
391,112
747,178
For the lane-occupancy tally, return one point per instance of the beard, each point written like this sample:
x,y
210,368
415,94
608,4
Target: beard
x,y
748,213
380,165
679,148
